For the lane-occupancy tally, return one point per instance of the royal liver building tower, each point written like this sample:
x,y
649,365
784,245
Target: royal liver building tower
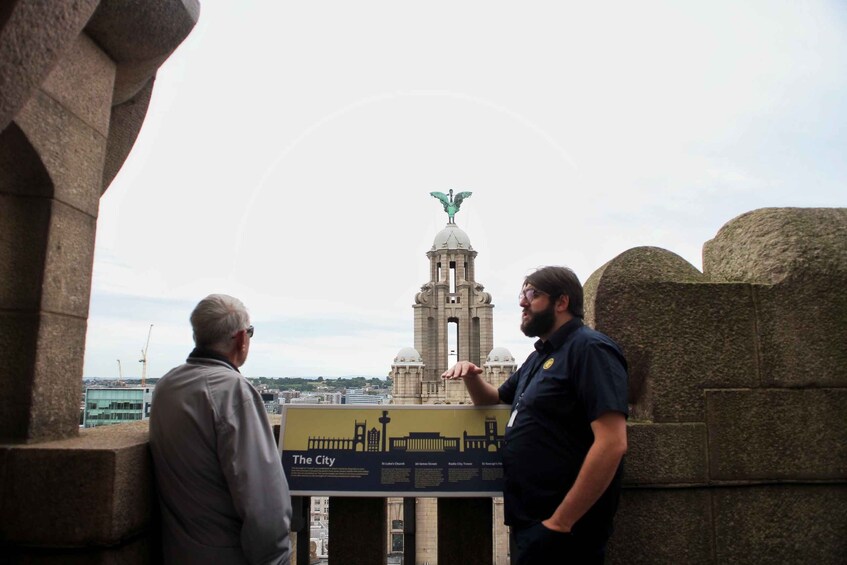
x,y
453,321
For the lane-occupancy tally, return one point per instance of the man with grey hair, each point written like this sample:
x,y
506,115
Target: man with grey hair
x,y
224,497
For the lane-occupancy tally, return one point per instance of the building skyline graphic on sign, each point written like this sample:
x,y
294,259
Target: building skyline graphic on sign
x,y
377,440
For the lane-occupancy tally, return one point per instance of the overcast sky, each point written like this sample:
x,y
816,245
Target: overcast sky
x,y
290,148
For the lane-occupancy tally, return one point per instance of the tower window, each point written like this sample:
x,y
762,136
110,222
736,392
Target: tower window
x,y
452,341
452,276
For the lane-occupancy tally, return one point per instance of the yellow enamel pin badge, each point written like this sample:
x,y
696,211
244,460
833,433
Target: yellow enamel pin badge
x,y
549,363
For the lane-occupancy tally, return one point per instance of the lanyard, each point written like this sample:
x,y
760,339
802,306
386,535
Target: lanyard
x,y
529,377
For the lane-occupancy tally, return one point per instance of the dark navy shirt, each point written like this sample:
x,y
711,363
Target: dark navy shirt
x,y
566,383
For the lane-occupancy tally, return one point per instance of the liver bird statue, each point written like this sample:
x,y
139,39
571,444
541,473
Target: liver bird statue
x,y
451,204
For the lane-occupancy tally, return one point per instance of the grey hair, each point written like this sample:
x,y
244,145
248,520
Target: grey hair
x,y
216,319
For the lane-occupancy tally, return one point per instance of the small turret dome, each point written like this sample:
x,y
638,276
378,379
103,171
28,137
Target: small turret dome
x,y
408,356
451,237
500,356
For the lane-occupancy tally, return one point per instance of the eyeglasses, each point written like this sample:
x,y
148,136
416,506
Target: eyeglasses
x,y
529,294
248,330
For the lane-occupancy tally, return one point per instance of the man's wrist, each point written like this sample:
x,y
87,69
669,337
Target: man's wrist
x,y
552,524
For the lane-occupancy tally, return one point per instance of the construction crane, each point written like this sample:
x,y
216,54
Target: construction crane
x,y
143,359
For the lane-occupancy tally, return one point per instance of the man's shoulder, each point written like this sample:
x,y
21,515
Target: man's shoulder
x,y
587,333
585,337
208,373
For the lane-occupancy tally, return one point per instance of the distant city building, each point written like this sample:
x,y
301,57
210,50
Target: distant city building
x,y
106,406
331,397
358,397
271,401
306,399
288,395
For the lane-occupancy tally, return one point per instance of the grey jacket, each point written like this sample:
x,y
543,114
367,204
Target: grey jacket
x,y
223,494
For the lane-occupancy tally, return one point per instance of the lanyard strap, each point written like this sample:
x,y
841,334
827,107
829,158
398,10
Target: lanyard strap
x,y
525,382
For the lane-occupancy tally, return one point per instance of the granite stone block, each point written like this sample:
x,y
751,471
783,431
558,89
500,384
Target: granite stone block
x,y
69,261
82,83
778,245
781,524
139,36
54,409
797,260
662,527
666,454
348,535
803,332
777,434
124,126
683,333
142,550
21,169
73,152
103,475
30,49
18,341
24,225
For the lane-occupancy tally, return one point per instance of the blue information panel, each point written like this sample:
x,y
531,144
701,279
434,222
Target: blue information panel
x,y
393,450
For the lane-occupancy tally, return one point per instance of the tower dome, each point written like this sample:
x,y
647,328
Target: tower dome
x,y
408,356
500,356
451,237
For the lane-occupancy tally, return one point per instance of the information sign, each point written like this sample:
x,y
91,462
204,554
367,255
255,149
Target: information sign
x,y
393,450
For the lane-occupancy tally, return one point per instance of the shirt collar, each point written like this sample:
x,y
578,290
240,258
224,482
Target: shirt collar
x,y
201,353
559,337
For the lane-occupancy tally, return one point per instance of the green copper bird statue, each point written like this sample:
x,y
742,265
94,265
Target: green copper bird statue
x,y
451,204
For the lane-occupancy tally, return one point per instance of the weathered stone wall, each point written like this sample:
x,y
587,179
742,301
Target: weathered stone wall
x,y
738,428
75,80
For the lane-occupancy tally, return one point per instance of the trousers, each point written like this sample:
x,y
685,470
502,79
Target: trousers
x,y
539,545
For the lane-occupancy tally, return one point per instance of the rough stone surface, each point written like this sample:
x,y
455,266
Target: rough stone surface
x,y
103,475
465,531
142,550
69,262
140,35
21,170
54,411
83,82
348,535
679,334
798,258
29,49
777,434
18,342
72,152
803,332
781,524
124,127
23,225
662,526
666,454
775,245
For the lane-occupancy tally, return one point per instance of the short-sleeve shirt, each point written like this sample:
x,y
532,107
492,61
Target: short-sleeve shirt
x,y
569,381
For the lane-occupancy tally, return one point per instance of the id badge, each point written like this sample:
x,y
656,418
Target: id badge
x,y
512,418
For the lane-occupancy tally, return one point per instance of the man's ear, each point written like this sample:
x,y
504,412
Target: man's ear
x,y
562,303
240,340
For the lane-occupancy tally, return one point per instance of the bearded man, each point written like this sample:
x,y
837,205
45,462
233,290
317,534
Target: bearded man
x,y
566,436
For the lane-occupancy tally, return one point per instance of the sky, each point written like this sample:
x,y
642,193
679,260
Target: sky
x,y
290,148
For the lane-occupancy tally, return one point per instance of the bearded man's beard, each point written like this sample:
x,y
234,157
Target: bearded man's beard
x,y
539,323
